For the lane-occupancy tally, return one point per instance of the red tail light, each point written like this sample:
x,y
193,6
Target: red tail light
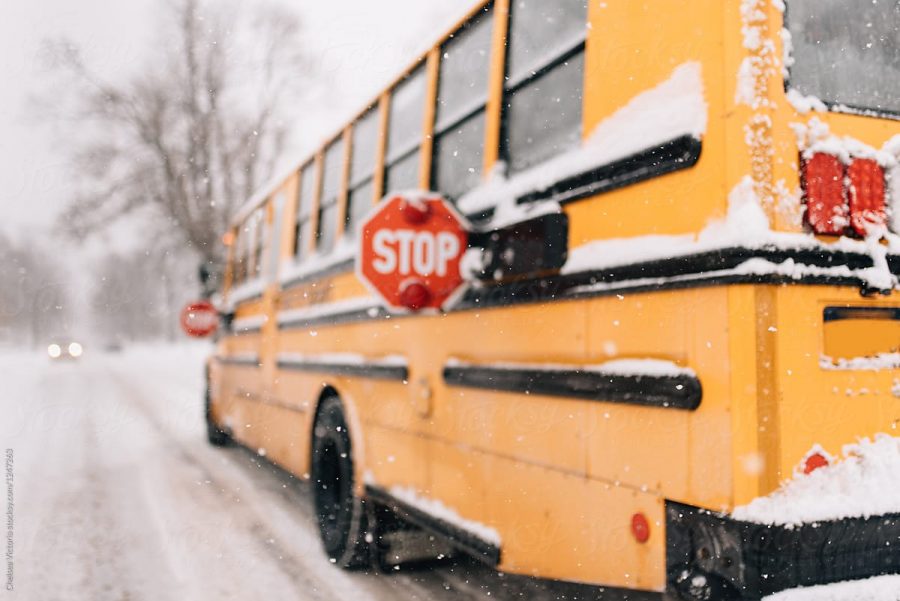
x,y
866,196
814,462
822,177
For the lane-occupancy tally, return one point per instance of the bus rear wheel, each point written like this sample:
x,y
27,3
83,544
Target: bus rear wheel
x,y
214,434
341,515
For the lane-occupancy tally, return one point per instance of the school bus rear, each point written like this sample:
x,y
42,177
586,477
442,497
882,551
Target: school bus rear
x,y
727,302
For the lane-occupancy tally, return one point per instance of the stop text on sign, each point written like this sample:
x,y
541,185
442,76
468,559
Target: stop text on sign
x,y
410,252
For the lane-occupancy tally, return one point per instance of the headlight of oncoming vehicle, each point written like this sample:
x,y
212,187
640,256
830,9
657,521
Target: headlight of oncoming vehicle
x,y
75,349
54,351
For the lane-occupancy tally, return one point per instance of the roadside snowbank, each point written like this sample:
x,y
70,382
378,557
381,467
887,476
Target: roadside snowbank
x,y
863,484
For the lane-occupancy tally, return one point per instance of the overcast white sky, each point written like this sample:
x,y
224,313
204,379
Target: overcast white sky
x,y
358,44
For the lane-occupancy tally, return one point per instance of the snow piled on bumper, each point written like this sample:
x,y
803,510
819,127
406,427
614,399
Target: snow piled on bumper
x,y
863,484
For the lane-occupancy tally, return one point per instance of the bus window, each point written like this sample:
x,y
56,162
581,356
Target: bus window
x,y
462,95
303,228
846,52
332,173
275,242
545,72
237,258
405,132
362,169
259,230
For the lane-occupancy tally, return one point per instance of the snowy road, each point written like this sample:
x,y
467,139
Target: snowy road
x,y
118,497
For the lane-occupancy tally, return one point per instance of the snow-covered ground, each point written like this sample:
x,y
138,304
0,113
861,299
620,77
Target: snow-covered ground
x,y
117,497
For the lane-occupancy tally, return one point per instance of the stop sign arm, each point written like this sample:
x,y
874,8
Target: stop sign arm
x,y
536,246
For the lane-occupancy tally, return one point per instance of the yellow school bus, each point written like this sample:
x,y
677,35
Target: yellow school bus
x,y
682,280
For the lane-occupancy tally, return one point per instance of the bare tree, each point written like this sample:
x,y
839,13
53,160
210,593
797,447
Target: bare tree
x,y
34,295
136,295
196,132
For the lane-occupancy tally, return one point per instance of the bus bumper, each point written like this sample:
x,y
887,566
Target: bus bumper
x,y
710,556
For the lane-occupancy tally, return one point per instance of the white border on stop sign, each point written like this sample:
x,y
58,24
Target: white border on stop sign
x,y
414,195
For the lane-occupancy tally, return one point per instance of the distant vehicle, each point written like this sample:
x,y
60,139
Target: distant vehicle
x,y
68,349
680,296
113,347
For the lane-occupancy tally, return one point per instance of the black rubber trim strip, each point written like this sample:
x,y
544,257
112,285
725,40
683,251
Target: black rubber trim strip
x,y
647,276
675,155
246,362
658,275
877,313
671,392
372,371
463,540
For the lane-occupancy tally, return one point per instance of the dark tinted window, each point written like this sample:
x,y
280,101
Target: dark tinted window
x,y
240,262
333,171
407,112
362,170
365,147
404,174
462,93
306,192
847,52
359,201
542,30
458,157
544,117
332,174
327,232
259,235
465,62
544,84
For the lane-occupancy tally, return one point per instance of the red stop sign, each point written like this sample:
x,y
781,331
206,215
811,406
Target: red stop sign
x,y
199,319
410,248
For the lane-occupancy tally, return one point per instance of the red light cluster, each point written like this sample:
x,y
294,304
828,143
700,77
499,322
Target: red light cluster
x,y
840,198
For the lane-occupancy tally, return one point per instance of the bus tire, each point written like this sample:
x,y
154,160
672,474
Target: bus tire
x,y
340,514
216,436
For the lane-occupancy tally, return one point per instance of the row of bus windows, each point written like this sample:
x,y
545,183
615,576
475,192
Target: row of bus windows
x,y
248,248
541,117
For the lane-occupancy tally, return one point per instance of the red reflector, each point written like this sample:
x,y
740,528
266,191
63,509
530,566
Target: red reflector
x,y
414,295
416,213
814,462
640,528
866,196
823,186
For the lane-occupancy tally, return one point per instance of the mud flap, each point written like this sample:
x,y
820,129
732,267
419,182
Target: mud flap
x,y
395,542
711,556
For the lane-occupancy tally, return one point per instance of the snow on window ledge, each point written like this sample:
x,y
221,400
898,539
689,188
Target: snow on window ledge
x,y
348,359
244,292
344,251
878,362
673,109
637,367
359,303
745,226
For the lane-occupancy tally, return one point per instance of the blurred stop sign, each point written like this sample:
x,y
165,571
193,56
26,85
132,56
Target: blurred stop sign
x,y
410,248
199,319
